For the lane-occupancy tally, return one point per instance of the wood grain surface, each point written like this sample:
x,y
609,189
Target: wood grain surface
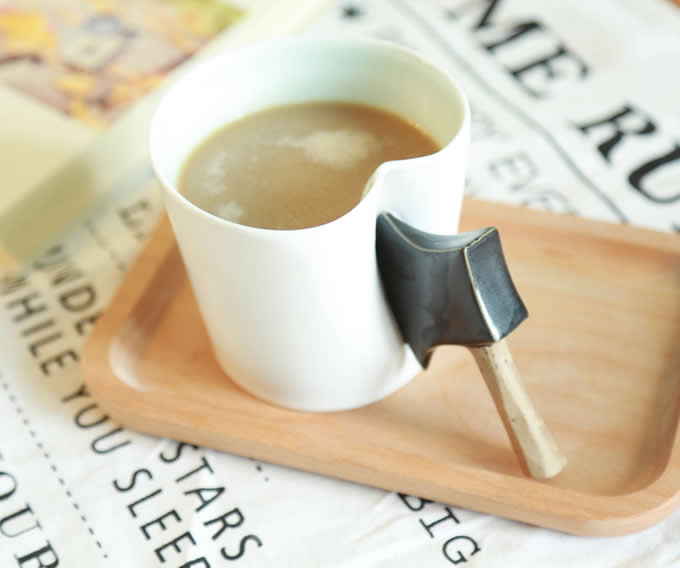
x,y
598,355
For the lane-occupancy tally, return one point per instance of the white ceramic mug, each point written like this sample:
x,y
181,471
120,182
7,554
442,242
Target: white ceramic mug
x,y
299,317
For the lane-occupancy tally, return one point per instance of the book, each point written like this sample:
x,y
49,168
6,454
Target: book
x,y
78,86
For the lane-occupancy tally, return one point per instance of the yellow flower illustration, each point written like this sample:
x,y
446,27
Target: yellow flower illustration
x,y
26,32
87,114
106,6
77,84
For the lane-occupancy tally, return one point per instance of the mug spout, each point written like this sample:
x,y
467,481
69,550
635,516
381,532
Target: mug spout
x,y
425,192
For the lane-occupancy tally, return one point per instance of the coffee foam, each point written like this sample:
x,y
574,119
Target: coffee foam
x,y
341,149
214,174
231,211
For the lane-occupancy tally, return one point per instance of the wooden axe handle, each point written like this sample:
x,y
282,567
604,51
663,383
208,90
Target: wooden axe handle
x,y
538,453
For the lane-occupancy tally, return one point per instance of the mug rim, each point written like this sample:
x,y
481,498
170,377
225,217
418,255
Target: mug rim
x,y
171,190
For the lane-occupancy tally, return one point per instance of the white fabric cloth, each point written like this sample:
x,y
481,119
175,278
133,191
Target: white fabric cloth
x,y
78,490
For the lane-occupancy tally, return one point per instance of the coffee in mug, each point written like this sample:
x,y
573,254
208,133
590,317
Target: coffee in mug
x,y
299,165
299,317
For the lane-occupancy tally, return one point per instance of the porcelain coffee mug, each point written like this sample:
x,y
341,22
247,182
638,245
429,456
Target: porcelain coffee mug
x,y
299,317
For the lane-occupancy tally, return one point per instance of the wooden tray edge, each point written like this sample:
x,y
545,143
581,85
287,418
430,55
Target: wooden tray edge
x,y
498,494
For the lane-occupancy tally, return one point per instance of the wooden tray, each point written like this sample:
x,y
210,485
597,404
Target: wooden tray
x,y
599,354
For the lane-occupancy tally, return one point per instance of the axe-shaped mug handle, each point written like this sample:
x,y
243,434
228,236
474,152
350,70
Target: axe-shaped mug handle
x,y
457,290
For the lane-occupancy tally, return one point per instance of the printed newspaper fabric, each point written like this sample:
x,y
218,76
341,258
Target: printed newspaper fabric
x,y
574,110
